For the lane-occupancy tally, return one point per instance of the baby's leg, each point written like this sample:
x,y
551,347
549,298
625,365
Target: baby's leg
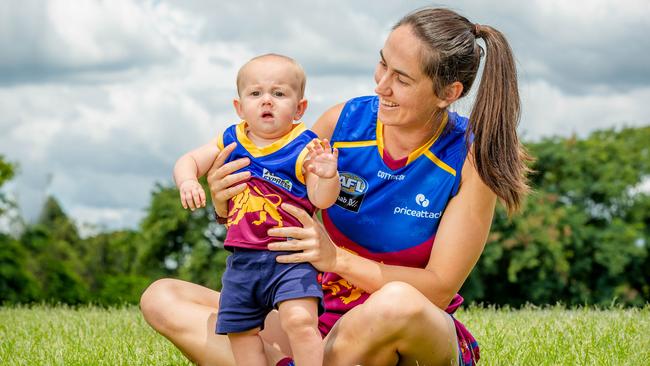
x,y
248,347
299,319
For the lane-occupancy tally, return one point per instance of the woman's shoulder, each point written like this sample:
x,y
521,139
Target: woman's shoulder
x,y
333,117
325,124
368,104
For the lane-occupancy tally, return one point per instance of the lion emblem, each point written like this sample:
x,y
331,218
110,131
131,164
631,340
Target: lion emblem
x,y
249,202
336,286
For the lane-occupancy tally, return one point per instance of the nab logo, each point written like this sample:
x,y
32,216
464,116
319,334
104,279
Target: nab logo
x,y
353,184
421,200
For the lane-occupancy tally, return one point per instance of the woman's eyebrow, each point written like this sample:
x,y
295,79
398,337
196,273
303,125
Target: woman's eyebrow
x,y
403,73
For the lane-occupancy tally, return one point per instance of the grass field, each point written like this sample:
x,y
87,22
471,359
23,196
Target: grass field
x,y
43,335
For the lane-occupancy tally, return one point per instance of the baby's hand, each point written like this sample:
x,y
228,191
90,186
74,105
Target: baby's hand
x,y
192,194
323,159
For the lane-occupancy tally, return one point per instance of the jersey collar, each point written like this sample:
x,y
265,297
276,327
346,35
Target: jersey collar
x,y
256,151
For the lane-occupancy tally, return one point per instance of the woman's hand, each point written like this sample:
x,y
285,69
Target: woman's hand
x,y
311,242
222,181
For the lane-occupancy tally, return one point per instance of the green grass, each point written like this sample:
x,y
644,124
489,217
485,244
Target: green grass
x,y
61,335
43,335
559,336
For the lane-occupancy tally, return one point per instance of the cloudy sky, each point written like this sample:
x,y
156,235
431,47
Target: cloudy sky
x,y
99,98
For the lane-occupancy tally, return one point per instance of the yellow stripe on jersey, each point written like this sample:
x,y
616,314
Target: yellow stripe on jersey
x,y
220,141
419,151
440,163
255,151
422,150
345,144
300,163
425,148
379,135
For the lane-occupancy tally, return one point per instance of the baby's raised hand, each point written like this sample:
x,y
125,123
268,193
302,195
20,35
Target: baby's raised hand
x,y
192,194
323,159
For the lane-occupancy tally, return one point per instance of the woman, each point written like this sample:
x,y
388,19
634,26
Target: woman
x,y
392,261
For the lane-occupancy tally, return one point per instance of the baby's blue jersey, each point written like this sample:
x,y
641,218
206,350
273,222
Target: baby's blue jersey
x,y
279,163
385,210
276,178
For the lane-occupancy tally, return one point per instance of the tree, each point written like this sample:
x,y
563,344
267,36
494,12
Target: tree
x,y
57,222
6,173
53,245
109,261
582,236
17,283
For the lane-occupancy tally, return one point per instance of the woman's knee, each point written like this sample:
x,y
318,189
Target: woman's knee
x,y
397,305
377,327
155,300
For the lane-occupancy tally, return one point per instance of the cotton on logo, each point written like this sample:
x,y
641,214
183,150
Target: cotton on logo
x,y
421,200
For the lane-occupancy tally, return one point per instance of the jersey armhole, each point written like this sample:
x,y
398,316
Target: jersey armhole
x,y
220,141
339,122
300,161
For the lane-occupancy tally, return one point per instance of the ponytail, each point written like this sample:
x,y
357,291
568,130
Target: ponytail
x,y
500,157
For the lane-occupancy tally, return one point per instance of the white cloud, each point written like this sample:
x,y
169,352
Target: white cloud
x,y
547,110
105,95
59,40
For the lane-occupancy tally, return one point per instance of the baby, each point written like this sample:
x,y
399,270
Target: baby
x,y
288,164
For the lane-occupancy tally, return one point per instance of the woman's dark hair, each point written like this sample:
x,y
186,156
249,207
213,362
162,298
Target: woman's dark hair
x,y
451,53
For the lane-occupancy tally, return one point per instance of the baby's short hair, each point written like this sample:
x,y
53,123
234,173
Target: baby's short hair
x,y
299,70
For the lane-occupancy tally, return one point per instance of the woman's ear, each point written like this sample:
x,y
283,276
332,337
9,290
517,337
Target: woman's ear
x,y
451,94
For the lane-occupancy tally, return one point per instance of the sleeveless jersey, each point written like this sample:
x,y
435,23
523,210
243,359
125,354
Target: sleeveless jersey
x,y
276,177
388,215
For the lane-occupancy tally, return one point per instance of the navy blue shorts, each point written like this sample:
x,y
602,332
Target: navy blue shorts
x,y
254,284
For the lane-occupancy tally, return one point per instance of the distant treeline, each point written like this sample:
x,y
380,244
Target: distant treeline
x,y
582,237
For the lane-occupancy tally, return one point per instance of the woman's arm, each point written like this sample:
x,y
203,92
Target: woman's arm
x,y
458,244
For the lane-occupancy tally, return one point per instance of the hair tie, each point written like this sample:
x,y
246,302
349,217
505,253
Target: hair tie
x,y
477,30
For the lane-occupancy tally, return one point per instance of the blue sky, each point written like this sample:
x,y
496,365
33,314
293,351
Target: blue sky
x,y
98,98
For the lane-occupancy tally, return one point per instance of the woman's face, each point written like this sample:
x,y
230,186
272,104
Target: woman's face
x,y
406,95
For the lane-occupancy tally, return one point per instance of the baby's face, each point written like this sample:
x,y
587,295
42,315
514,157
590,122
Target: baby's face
x,y
270,97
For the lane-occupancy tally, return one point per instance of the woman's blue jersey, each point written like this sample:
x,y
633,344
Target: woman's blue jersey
x,y
385,210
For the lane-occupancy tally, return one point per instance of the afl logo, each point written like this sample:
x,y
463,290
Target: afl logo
x,y
352,184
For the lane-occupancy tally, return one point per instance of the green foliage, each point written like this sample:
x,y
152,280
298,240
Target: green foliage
x,y
110,267
57,223
120,289
582,236
51,263
56,266
17,284
6,173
